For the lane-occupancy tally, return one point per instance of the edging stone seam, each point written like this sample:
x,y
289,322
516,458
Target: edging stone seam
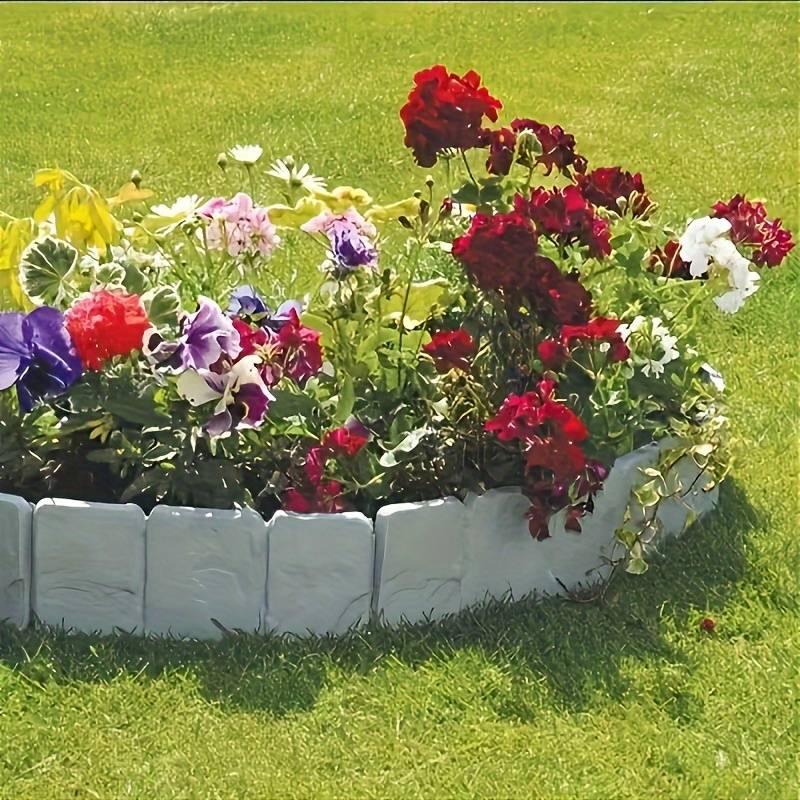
x,y
16,518
188,572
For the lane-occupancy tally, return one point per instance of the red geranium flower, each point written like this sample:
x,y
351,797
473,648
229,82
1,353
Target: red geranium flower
x,y
558,147
667,260
344,441
444,110
568,302
750,226
106,324
605,185
451,349
501,150
324,499
552,353
565,216
600,329
498,252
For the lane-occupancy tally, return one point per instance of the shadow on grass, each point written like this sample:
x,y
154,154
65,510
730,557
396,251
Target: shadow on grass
x,y
576,650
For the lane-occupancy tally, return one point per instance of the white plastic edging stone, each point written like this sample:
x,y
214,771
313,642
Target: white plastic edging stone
x,y
320,570
205,565
419,560
89,565
501,558
15,559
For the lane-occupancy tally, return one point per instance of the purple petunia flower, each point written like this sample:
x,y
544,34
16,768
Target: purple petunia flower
x,y
241,396
351,239
207,336
37,354
246,302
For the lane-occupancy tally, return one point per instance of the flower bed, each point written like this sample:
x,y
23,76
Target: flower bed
x,y
197,572
523,320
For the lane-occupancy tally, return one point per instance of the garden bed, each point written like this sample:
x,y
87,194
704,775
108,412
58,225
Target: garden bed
x,y
190,572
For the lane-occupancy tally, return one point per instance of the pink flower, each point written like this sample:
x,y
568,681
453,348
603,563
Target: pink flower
x,y
239,227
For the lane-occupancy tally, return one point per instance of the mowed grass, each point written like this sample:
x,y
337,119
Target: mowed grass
x,y
627,699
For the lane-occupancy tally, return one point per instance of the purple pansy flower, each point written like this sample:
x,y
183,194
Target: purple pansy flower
x,y
207,336
37,354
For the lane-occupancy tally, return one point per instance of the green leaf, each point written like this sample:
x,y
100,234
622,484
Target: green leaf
x,y
138,410
347,399
162,305
407,444
424,300
45,269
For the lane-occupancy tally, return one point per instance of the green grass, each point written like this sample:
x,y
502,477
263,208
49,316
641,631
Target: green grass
x,y
624,699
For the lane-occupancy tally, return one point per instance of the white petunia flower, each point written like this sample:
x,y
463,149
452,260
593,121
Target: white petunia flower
x,y
284,169
657,336
246,154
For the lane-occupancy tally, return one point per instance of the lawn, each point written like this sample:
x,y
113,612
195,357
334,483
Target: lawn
x,y
628,698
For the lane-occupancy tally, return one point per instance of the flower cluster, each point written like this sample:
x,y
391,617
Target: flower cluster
x,y
445,111
527,320
550,436
769,240
239,227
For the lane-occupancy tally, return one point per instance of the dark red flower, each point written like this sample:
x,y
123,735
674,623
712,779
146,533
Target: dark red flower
x,y
105,324
250,338
314,466
558,147
325,498
344,441
598,330
707,624
557,469
568,302
445,110
552,353
499,252
605,185
299,350
566,217
668,262
771,242
501,150
451,349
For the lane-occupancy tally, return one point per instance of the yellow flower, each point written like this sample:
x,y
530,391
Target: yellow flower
x,y
304,209
82,215
15,236
402,208
343,197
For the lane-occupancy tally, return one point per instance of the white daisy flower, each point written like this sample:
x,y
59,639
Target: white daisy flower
x,y
284,169
183,208
246,154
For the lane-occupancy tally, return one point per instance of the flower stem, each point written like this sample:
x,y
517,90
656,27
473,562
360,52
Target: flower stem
x,y
469,171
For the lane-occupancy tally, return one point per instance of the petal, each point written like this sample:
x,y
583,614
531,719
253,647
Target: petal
x,y
12,348
193,387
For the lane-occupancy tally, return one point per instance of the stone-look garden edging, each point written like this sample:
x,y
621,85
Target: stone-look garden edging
x,y
194,572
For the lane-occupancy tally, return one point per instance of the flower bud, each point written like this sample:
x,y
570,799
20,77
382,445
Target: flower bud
x,y
222,161
136,178
417,193
289,161
429,181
